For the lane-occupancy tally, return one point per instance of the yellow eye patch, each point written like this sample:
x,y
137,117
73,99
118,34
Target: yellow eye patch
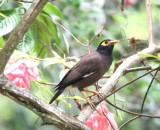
x,y
105,43
109,42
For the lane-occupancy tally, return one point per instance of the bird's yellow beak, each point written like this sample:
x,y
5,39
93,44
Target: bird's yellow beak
x,y
114,42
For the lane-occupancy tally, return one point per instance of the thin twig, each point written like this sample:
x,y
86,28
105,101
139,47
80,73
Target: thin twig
x,y
132,70
2,2
128,84
112,126
68,32
127,122
40,51
47,83
148,91
151,73
142,107
130,112
97,35
138,69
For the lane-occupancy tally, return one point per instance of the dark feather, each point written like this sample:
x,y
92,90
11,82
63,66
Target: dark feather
x,y
87,71
56,95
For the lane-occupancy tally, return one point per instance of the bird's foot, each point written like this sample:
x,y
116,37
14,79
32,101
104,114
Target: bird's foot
x,y
100,94
88,100
90,103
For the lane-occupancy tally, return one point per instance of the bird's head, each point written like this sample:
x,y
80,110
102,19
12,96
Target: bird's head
x,y
107,46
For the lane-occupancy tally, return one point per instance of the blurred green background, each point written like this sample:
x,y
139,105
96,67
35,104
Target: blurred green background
x,y
84,19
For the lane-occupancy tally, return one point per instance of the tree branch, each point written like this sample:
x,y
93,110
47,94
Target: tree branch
x,y
50,115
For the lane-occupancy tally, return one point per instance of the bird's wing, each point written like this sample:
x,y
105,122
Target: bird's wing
x,y
84,68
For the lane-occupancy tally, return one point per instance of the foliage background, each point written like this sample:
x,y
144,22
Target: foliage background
x,y
48,41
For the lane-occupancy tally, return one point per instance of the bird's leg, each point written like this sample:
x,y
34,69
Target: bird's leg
x,y
94,92
88,100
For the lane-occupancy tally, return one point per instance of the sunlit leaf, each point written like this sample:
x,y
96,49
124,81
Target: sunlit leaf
x,y
8,23
158,56
27,42
51,9
51,61
1,42
52,29
25,5
3,15
147,55
59,60
76,97
61,98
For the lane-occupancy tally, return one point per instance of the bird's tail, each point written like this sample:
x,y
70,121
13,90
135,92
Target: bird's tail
x,y
58,92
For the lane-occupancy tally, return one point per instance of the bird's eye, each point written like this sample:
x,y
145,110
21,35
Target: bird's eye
x,y
105,43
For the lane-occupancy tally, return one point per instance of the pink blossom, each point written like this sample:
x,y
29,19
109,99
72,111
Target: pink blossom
x,y
21,73
101,120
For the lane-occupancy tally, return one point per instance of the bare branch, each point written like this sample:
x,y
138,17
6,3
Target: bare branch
x,y
137,69
47,83
50,115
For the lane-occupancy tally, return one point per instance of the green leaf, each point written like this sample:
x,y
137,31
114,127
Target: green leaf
x,y
61,98
41,26
9,23
25,5
51,9
3,15
59,60
158,56
51,61
51,28
29,39
1,42
76,97
147,55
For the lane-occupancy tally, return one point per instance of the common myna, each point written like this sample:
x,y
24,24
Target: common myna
x,y
88,70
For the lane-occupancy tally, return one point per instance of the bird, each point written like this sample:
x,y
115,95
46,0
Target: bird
x,y
88,70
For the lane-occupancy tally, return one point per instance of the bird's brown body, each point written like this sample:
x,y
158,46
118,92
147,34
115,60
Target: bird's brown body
x,y
92,69
88,70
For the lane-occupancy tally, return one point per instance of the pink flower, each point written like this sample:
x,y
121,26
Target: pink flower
x,y
21,73
101,120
